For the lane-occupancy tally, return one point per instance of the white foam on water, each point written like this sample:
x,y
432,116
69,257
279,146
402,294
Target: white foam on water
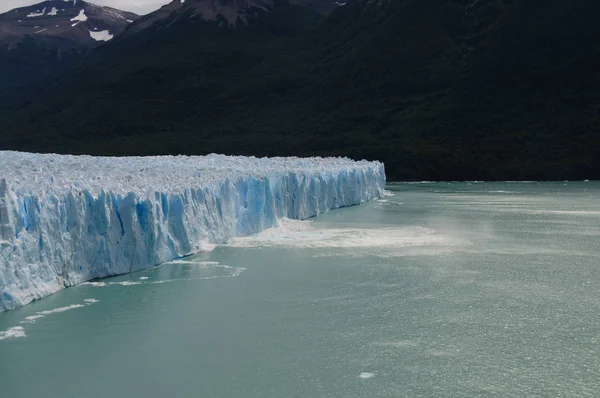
x,y
95,284
442,353
207,263
183,279
42,314
60,309
164,281
126,283
232,272
397,344
32,318
193,262
366,375
568,212
303,235
235,271
15,332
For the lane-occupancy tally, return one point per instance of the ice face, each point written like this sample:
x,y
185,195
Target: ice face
x,y
67,219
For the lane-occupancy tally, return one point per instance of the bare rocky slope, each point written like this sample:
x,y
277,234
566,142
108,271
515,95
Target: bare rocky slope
x,y
39,40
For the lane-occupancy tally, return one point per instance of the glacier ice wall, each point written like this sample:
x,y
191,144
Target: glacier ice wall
x,y
68,219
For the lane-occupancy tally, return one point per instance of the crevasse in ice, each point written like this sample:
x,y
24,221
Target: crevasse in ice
x,y
68,219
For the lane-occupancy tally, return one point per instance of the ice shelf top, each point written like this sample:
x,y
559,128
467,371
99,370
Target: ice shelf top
x,y
141,174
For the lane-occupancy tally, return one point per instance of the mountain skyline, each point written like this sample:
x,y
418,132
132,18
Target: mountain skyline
x,y
435,89
38,41
140,7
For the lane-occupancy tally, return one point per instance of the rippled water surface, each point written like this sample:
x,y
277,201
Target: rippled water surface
x,y
437,290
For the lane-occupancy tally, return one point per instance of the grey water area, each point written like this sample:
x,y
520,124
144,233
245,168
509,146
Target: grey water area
x,y
437,290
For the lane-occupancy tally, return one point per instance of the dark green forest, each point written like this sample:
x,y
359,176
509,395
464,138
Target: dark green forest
x,y
436,89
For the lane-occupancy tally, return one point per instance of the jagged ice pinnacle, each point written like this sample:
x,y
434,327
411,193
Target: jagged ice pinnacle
x,y
67,219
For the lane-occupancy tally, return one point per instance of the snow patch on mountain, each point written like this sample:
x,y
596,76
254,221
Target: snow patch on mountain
x,y
81,17
103,35
37,13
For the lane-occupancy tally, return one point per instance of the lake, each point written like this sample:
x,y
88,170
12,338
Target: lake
x,y
436,290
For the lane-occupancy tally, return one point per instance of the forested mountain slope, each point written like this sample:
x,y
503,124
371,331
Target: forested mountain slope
x,y
437,89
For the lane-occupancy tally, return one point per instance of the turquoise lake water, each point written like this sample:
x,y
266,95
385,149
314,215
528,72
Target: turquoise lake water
x,y
437,290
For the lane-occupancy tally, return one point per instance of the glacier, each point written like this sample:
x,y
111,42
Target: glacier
x,y
68,219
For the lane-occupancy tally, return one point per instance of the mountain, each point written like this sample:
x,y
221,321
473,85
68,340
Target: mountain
x,y
228,12
437,89
39,40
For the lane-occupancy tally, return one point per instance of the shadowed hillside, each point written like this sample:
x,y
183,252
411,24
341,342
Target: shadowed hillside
x,y
437,89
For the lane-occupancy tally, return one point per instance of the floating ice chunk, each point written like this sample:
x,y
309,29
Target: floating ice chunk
x,y
15,332
32,318
366,375
95,284
303,235
90,300
53,11
60,309
65,220
143,278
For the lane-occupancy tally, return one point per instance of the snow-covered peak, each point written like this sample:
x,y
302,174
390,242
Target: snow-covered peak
x,y
71,20
209,10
